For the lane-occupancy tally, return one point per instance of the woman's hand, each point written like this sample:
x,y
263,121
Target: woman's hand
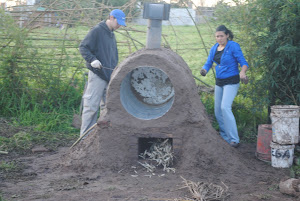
x,y
203,72
243,76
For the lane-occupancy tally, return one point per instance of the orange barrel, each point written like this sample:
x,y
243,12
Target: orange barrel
x,y
264,138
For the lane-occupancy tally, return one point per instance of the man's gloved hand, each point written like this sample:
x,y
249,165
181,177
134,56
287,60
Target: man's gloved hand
x,y
245,80
96,64
203,72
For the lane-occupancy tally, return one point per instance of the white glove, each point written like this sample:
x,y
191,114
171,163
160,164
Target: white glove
x,y
96,64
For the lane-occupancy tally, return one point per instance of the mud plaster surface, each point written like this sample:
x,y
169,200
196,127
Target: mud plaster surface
x,y
108,146
101,167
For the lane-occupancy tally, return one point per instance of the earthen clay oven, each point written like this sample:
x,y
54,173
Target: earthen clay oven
x,y
152,94
154,104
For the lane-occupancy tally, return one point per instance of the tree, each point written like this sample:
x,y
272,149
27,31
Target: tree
x,y
280,48
273,26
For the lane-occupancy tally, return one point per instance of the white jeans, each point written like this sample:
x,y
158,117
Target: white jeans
x,y
93,99
224,97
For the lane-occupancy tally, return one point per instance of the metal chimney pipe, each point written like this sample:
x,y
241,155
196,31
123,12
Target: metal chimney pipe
x,y
154,34
155,13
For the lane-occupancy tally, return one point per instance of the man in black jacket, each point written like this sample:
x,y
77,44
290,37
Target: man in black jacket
x,y
99,49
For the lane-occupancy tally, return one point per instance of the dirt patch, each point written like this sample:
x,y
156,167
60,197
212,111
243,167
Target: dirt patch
x,y
43,179
7,130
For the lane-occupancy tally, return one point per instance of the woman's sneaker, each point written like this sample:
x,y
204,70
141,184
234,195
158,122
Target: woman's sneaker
x,y
234,144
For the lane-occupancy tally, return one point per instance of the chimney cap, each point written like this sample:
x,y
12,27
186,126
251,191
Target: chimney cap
x,y
156,11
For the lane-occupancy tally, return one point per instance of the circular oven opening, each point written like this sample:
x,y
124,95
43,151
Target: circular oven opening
x,y
147,93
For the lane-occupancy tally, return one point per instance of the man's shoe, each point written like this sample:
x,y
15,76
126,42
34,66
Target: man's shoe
x,y
234,144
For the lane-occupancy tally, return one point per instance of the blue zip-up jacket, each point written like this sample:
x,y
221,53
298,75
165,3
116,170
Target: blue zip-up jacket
x,y
231,57
100,43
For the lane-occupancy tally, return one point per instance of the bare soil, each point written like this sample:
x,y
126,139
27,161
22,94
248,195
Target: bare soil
x,y
40,178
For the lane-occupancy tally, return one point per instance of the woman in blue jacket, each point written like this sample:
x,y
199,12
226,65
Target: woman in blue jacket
x,y
227,54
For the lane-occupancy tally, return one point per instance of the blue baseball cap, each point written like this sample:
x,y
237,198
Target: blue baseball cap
x,y
119,15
